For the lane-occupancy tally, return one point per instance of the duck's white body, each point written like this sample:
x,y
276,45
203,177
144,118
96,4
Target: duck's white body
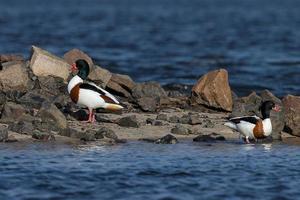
x,y
250,130
91,98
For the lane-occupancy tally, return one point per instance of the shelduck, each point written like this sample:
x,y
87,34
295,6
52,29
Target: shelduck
x,y
88,94
253,127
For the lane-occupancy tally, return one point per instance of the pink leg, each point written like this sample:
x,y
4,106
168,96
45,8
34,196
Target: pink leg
x,y
247,140
90,116
93,117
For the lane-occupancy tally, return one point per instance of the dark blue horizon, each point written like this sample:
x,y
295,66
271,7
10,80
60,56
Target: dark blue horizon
x,y
169,41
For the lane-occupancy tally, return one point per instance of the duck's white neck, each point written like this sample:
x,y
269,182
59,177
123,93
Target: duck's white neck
x,y
74,81
267,126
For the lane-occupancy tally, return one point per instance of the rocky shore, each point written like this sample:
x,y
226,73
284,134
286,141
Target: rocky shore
x,y
35,106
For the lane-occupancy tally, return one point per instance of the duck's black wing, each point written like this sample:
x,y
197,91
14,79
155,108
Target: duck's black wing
x,y
250,119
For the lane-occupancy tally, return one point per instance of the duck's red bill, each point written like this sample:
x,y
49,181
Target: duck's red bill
x,y
277,108
73,67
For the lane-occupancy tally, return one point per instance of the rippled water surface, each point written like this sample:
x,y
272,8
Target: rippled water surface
x,y
138,170
170,41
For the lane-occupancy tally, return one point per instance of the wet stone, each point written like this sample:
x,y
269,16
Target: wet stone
x,y
213,137
174,119
180,130
129,121
168,139
162,117
42,136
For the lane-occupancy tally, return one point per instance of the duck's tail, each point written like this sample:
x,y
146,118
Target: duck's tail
x,y
231,125
113,107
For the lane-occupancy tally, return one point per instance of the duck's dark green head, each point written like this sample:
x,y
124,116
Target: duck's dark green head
x,y
83,68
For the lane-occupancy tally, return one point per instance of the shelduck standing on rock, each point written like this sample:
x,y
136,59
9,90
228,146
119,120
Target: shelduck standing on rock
x,y
253,127
88,94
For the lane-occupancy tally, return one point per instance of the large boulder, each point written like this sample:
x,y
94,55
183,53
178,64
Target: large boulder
x,y
121,85
75,54
148,95
100,76
292,114
213,90
44,63
14,76
51,115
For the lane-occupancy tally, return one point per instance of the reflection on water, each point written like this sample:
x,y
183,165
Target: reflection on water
x,y
138,170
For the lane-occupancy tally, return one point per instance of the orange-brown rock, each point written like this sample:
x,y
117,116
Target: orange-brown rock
x,y
213,90
75,54
292,114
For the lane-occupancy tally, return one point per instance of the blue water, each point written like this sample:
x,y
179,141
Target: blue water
x,y
170,41
138,170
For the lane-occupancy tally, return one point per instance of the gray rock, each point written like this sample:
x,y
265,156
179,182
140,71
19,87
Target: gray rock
x,y
53,85
12,112
247,106
14,76
3,132
103,118
108,133
158,123
2,98
117,89
22,127
292,114
174,119
213,137
100,76
168,139
147,104
34,99
209,124
51,115
150,121
121,84
184,119
11,139
180,130
44,63
129,121
83,134
44,136
194,119
163,117
149,89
